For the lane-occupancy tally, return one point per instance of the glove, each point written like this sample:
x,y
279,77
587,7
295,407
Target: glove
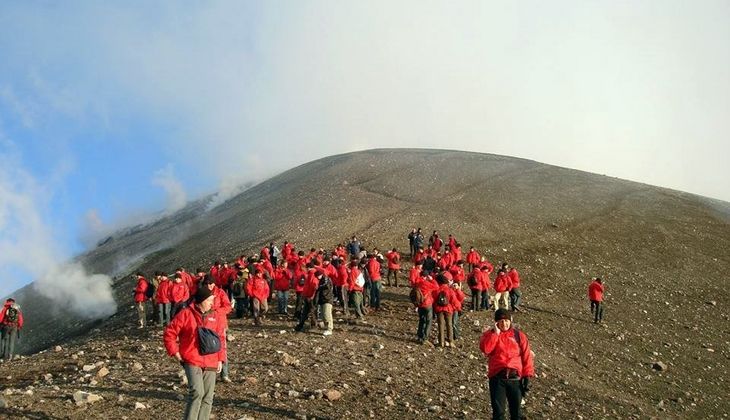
x,y
525,385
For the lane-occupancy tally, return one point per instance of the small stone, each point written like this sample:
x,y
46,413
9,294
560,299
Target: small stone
x,y
102,372
139,406
251,380
58,349
361,372
88,368
288,360
389,400
137,366
81,397
434,409
659,366
333,395
294,394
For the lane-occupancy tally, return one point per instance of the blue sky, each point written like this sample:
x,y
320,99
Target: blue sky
x,y
112,112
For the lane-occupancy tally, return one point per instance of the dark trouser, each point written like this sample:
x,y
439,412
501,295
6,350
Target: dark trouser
x,y
201,387
367,293
163,310
155,310
177,307
475,299
375,294
395,277
259,310
240,306
307,307
425,316
8,337
485,299
503,392
357,303
515,297
446,329
597,310
298,306
345,297
455,323
282,298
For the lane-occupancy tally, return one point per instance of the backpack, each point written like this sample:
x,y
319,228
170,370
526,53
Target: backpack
x,y
360,280
150,292
11,315
237,287
472,281
208,341
443,299
416,296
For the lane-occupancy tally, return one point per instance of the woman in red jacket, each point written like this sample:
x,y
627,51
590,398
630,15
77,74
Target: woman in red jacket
x,y
473,258
393,258
355,285
163,300
502,286
257,289
443,299
179,295
510,365
140,297
282,284
182,342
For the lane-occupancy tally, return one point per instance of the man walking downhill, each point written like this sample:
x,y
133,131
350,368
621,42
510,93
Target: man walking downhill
x,y
595,295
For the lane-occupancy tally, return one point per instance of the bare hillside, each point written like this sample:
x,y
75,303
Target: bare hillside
x,y
664,256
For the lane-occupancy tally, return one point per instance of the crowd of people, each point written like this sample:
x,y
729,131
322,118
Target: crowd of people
x,y
349,278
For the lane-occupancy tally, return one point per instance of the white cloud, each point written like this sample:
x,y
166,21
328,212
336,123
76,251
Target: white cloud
x,y
174,191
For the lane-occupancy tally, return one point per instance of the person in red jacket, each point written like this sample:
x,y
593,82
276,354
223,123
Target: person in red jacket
x,y
299,280
179,295
414,275
373,268
515,296
458,304
342,284
393,258
140,297
223,304
443,299
311,283
457,272
162,296
257,289
595,295
487,268
510,365
355,285
282,284
502,286
182,342
11,322
473,258
426,285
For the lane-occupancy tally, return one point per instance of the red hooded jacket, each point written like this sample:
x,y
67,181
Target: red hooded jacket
x,y
595,291
443,288
393,260
427,285
473,257
258,287
351,280
514,276
311,283
342,276
3,320
179,292
182,336
457,272
502,283
504,352
458,299
163,291
140,292
373,267
282,279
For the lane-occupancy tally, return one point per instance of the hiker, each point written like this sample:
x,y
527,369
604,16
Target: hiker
x,y
475,281
418,240
457,271
325,298
154,283
11,322
222,304
515,296
179,295
373,270
201,358
308,296
443,298
354,247
510,365
457,305
393,258
415,274
435,242
473,258
502,286
162,296
340,281
257,288
141,295
595,295
356,282
487,268
411,242
299,281
423,299
282,284
238,292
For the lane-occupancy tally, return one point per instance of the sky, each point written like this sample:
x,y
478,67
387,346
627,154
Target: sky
x,y
112,113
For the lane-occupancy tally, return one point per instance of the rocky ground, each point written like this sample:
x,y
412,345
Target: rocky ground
x,y
663,352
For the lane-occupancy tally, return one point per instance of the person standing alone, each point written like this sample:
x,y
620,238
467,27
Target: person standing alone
x,y
595,295
11,322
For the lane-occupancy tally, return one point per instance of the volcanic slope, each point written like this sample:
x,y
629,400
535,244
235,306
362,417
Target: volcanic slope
x,y
663,253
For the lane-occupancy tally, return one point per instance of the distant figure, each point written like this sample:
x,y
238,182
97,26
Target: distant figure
x,y
11,322
202,358
354,247
515,295
142,292
417,242
411,241
502,286
595,294
510,365
393,258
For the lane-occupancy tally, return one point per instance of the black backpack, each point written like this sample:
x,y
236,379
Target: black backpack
x,y
209,341
237,288
11,315
443,299
150,292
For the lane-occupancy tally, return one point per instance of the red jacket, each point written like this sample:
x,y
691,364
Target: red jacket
x,y
413,276
342,276
373,267
330,271
504,352
484,277
456,253
311,283
282,279
257,287
179,292
7,305
457,272
427,286
140,292
443,288
221,301
473,257
393,260
352,283
502,283
595,291
458,299
444,262
163,291
514,277
182,336
299,273
419,257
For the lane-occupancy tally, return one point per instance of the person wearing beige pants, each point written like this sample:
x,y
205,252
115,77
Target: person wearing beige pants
x,y
504,297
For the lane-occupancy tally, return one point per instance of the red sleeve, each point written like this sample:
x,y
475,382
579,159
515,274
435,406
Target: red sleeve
x,y
2,315
172,331
528,368
488,342
20,320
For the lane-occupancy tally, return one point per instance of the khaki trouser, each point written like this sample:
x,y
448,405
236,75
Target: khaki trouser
x,y
201,387
446,329
504,296
142,317
326,309
259,309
